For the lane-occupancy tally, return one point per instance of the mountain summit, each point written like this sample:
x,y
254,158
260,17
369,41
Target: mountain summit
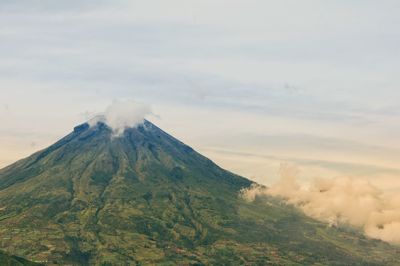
x,y
146,198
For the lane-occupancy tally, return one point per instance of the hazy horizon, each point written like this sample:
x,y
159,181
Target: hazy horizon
x,y
307,83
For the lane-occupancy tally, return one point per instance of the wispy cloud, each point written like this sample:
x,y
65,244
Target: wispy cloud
x,y
274,68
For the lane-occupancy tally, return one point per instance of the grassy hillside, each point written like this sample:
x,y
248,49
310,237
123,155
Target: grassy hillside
x,y
7,260
148,199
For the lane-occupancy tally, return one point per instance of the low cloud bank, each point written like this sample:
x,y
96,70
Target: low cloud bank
x,y
338,201
121,115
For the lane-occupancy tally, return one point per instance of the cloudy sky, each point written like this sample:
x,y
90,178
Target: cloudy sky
x,y
249,83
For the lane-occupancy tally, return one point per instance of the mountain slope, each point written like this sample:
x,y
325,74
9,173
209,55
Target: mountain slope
x,y
146,198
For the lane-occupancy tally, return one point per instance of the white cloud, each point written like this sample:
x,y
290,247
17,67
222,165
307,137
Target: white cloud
x,y
121,115
338,201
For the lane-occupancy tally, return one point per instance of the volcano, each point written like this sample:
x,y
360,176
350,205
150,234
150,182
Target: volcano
x,y
145,198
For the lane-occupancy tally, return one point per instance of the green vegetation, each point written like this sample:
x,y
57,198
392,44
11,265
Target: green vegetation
x,y
7,260
148,199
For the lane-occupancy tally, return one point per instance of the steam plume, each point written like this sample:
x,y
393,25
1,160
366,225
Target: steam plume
x,y
338,201
121,115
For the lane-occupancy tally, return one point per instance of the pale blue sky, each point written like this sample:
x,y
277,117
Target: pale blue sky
x,y
312,82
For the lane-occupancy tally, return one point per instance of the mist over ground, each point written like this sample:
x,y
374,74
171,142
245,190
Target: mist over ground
x,y
338,201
